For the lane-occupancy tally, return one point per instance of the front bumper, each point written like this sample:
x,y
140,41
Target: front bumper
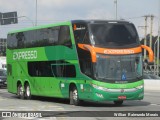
x,y
117,94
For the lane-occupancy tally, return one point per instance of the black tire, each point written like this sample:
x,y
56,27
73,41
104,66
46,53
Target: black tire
x,y
20,91
118,103
28,95
74,98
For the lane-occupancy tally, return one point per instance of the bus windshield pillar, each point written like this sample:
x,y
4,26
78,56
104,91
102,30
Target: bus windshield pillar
x,y
91,49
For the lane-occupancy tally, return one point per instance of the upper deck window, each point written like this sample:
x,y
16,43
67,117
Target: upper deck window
x,y
51,36
81,33
113,34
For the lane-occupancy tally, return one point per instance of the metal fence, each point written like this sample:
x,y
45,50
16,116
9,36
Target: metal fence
x,y
151,69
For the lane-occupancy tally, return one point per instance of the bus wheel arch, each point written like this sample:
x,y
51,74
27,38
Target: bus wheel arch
x,y
20,91
27,92
73,95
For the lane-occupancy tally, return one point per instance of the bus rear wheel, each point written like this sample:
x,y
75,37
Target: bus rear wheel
x,y
74,98
27,92
20,92
118,103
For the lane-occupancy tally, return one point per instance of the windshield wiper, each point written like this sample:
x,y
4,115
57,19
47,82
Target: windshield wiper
x,y
84,36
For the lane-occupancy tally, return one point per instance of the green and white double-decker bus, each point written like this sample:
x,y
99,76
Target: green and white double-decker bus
x,y
89,60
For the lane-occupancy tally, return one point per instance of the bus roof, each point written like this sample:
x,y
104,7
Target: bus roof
x,y
40,27
99,21
67,23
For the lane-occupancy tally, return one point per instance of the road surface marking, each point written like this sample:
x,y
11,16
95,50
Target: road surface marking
x,y
155,104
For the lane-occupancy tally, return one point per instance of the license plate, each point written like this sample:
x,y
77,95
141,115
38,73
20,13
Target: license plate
x,y
121,97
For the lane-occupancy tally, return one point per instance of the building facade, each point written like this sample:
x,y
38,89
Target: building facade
x,y
3,46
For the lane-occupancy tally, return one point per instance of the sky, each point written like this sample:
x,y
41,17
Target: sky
x,y
51,11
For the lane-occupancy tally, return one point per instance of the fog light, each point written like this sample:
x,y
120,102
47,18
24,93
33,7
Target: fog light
x,y
141,94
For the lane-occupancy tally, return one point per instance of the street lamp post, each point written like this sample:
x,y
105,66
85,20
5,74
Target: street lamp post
x,y
27,19
115,4
36,14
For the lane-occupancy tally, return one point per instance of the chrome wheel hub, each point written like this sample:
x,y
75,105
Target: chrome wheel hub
x,y
28,91
75,95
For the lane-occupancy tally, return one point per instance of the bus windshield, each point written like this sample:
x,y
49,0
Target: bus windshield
x,y
116,68
113,34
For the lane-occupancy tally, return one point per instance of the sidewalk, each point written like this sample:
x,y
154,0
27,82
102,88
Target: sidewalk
x,y
151,84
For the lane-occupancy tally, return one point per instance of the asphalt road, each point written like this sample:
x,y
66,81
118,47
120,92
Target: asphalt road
x,y
10,102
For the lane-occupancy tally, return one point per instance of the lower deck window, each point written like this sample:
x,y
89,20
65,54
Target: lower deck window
x,y
51,69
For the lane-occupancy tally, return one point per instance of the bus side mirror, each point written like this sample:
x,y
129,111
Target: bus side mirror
x,y
148,63
150,52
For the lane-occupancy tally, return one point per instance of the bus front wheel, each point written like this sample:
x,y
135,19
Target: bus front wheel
x,y
27,92
20,91
74,98
118,103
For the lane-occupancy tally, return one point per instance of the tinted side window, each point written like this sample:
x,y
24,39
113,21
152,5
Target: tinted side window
x,y
40,69
59,35
81,33
20,40
51,69
42,37
64,70
64,36
11,41
53,34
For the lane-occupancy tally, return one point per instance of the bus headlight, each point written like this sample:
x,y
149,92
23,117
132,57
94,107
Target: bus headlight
x,y
99,87
140,87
